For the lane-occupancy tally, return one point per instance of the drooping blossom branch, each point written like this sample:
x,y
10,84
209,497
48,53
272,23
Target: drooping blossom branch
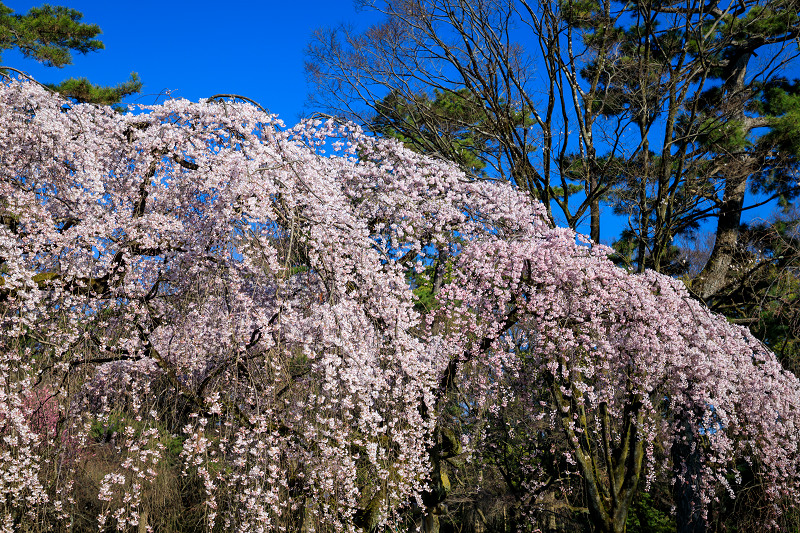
x,y
195,283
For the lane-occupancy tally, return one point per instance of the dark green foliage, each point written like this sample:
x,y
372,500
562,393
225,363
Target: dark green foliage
x,y
424,298
50,35
645,516
81,90
626,250
727,138
422,123
423,284
578,13
765,290
781,101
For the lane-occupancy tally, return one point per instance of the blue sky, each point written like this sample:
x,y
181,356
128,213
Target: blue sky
x,y
197,49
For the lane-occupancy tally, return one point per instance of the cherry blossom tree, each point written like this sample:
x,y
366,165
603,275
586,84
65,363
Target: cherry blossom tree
x,y
195,284
627,364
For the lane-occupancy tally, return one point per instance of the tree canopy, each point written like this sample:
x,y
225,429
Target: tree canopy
x,y
48,34
196,292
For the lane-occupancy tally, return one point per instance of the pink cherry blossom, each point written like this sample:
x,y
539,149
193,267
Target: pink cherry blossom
x,y
199,274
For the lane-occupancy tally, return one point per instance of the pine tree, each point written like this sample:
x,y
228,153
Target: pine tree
x,y
50,35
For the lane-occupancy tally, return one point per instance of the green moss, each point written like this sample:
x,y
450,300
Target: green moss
x,y
43,277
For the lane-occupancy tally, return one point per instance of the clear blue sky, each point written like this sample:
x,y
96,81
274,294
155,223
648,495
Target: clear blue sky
x,y
197,49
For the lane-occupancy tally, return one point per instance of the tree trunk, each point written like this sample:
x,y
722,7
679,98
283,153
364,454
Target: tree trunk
x,y
712,279
594,212
686,461
430,523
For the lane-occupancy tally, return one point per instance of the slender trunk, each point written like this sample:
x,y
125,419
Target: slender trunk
x,y
430,523
609,494
594,211
439,484
644,209
441,268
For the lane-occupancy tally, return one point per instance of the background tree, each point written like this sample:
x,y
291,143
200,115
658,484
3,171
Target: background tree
x,y
453,126
49,35
762,292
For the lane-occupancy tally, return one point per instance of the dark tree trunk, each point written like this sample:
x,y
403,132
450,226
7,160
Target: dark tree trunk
x,y
686,461
712,278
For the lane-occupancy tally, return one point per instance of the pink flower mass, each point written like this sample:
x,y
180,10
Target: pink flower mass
x,y
196,283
